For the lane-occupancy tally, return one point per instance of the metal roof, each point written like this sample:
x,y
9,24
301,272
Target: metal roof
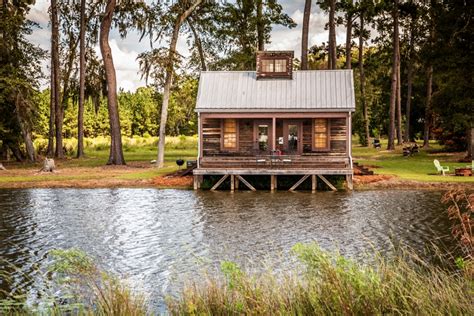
x,y
308,91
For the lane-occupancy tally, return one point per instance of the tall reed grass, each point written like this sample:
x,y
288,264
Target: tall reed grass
x,y
129,143
330,284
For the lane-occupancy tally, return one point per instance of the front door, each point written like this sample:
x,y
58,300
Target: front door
x,y
293,137
262,135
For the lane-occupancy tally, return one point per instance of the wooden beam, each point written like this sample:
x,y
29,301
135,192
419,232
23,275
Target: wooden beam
x,y
297,184
236,183
195,182
246,183
350,184
272,182
274,127
327,182
219,182
232,183
314,183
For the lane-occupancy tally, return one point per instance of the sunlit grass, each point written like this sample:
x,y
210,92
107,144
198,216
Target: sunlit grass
x,y
419,167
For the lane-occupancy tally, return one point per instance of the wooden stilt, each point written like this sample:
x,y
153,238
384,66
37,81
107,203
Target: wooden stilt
x,y
297,184
195,182
276,182
246,183
219,182
232,183
350,184
200,181
272,183
327,182
314,183
236,183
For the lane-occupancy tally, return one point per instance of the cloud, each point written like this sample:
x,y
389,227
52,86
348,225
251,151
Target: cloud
x,y
126,66
290,39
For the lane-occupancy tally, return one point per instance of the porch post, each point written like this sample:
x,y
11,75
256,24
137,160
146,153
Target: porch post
x,y
274,133
200,140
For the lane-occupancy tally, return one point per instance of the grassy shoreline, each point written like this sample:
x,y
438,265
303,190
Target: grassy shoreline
x,y
395,171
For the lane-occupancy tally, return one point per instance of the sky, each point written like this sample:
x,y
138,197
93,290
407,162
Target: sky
x,y
125,51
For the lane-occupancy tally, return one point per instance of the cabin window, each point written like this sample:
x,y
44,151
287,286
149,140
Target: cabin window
x,y
273,65
230,134
321,134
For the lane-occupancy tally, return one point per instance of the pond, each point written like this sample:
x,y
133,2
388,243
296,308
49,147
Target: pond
x,y
152,238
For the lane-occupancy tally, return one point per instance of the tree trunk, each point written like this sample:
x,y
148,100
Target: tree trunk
x,y
260,26
393,94
304,35
82,80
52,109
429,91
409,81
160,161
197,39
399,101
470,143
116,153
362,80
349,41
55,59
332,35
30,148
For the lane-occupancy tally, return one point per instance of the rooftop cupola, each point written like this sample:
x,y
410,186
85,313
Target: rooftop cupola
x,y
275,65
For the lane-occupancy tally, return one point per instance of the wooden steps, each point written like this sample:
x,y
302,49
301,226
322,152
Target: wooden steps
x,y
360,170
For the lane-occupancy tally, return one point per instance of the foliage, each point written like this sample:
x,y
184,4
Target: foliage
x,y
330,284
461,208
20,72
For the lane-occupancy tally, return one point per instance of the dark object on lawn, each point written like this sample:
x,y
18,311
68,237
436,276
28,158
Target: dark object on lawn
x,y
377,143
180,162
410,150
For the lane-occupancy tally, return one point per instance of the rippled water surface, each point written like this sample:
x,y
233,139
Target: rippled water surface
x,y
154,237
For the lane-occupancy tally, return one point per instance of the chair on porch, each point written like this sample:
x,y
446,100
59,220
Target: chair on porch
x,y
440,168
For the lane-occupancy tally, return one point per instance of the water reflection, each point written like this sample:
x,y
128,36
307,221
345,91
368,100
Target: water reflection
x,y
154,237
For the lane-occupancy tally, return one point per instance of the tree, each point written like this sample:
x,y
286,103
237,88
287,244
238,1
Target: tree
x,y
55,85
305,34
348,6
393,94
237,32
19,73
332,35
260,26
116,153
82,82
169,78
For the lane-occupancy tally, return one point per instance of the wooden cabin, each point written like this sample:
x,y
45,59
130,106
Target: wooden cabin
x,y
275,121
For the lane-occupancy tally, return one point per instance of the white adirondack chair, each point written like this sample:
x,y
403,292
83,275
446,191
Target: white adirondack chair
x,y
440,168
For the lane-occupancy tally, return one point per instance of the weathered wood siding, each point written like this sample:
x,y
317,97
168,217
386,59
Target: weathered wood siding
x,y
338,135
246,141
211,137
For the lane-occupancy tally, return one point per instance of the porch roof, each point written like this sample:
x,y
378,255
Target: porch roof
x,y
308,91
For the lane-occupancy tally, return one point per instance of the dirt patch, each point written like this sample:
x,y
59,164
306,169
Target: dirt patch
x,y
360,180
169,181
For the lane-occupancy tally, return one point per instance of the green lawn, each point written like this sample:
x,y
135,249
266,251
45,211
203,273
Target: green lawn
x,y
138,156
418,167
